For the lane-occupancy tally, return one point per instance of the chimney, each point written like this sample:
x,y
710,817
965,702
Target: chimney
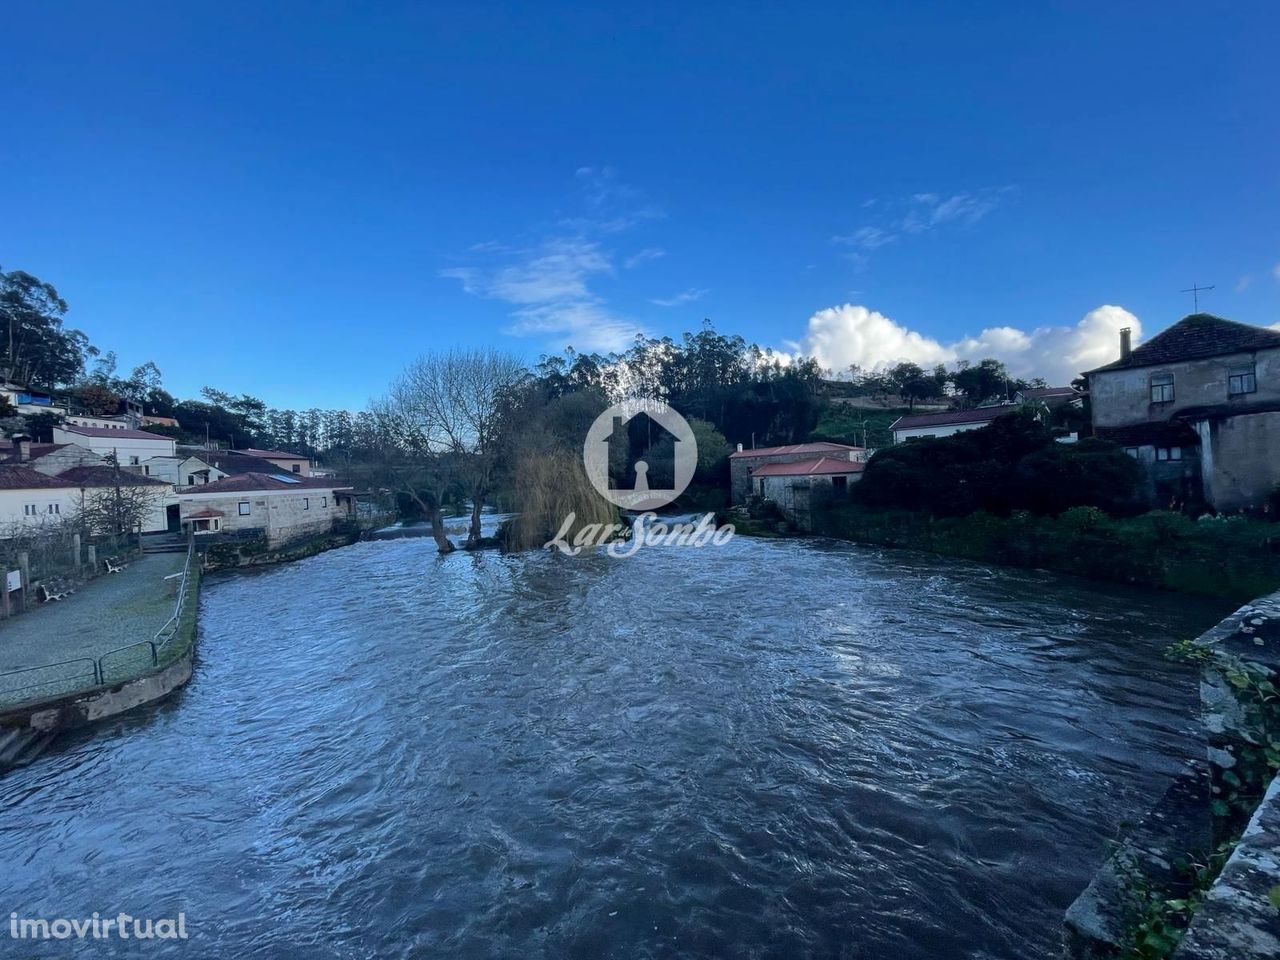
x,y
739,448
1126,344
22,445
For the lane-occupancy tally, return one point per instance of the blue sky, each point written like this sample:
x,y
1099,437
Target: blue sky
x,y
293,199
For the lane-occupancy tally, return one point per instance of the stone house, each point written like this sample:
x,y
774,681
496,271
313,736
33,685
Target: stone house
x,y
279,506
1199,406
48,458
794,485
743,463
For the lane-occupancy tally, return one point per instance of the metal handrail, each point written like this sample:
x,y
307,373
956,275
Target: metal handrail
x,y
170,628
94,664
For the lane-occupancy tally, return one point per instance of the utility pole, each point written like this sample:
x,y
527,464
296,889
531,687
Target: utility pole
x,y
1195,292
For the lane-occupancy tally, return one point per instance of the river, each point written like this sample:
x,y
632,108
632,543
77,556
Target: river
x,y
767,749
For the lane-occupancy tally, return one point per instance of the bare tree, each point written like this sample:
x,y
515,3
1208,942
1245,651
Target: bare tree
x,y
123,507
441,420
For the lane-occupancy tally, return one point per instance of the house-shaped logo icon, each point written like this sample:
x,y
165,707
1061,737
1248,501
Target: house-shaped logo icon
x,y
660,474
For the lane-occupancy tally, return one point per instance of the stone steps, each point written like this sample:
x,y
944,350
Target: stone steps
x,y
20,745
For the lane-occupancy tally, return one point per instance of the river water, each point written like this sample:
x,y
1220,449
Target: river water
x,y
768,749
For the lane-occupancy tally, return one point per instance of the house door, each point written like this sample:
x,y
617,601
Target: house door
x,y
173,522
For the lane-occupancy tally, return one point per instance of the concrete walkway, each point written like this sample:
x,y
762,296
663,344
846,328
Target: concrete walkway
x,y
105,614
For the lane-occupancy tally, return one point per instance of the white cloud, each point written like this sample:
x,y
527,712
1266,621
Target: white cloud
x,y
1243,283
1275,271
917,214
643,256
549,285
849,334
688,296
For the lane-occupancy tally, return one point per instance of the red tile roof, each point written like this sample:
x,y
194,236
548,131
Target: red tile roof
x,y
124,434
108,476
820,466
14,476
818,447
251,482
949,417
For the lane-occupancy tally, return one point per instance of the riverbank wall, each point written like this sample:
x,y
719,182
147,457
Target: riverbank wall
x,y
235,553
1230,559
1199,877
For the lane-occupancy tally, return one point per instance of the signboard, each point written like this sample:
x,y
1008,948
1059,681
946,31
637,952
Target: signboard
x,y
13,580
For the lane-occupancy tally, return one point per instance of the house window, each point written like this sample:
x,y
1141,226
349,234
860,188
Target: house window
x,y
133,461
760,486
840,484
244,508
1132,451
191,479
1241,382
324,502
146,471
1162,388
297,468
1168,453
55,508
306,503
29,510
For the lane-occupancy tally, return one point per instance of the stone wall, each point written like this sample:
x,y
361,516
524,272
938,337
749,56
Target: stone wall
x,y
1239,459
1238,920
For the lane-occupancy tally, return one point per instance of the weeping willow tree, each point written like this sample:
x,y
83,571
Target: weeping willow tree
x,y
553,487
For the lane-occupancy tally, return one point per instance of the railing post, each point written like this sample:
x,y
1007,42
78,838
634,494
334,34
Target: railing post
x,y
24,564
75,551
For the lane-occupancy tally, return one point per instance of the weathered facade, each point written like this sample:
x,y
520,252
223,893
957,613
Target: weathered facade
x,y
794,486
1199,406
743,463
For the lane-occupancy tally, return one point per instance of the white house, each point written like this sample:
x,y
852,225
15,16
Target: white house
x,y
30,499
924,425
179,470
93,480
281,506
129,447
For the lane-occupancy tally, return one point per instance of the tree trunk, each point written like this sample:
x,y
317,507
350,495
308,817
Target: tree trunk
x,y
473,535
438,532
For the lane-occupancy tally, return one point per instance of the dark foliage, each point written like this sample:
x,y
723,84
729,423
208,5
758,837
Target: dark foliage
x,y
1011,464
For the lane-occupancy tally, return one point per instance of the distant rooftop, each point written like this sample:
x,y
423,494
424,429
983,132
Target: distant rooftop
x,y
952,417
817,447
250,482
268,454
819,466
124,434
